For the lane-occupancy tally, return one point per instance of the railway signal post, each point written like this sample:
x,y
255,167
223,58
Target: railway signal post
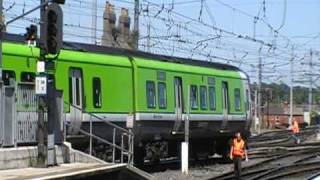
x,y
50,43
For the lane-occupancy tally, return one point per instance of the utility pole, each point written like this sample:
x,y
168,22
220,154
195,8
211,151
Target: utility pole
x,y
259,90
149,38
256,120
41,99
94,21
291,88
185,144
310,81
136,24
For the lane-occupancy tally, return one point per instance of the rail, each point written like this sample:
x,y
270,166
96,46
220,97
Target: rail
x,y
124,133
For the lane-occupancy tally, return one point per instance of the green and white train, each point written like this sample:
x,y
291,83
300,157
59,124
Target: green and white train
x,y
113,83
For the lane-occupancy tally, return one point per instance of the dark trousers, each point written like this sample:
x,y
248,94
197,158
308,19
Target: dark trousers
x,y
237,167
296,138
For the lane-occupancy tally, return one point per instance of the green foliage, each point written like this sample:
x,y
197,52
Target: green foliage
x,y
281,93
314,116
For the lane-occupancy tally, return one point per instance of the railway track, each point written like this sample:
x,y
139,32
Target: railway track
x,y
174,164
282,159
272,155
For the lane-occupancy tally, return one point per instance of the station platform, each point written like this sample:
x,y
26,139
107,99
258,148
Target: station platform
x,y
76,171
20,163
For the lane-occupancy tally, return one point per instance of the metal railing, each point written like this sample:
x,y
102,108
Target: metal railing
x,y
126,141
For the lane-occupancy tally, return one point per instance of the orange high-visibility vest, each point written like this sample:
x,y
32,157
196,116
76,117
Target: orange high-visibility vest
x,y
238,148
295,127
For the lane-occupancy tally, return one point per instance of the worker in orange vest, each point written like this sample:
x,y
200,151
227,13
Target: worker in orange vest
x,y
295,130
237,153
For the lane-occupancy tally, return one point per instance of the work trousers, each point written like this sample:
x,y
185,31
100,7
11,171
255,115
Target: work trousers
x,y
237,167
296,138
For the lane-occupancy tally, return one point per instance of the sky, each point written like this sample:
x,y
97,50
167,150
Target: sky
x,y
211,30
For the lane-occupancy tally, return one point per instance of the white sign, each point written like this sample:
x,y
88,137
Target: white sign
x,y
41,85
129,123
40,66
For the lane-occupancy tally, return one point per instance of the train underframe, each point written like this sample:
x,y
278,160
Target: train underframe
x,y
154,140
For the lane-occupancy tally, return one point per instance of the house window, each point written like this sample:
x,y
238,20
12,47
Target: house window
x,y
203,97
194,97
151,95
162,95
237,99
212,98
96,89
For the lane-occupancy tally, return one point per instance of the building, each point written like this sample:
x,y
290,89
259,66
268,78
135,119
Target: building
x,y
278,115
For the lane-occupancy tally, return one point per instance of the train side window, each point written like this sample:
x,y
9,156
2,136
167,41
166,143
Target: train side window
x,y
151,94
162,95
96,89
237,99
7,75
27,77
194,96
77,91
203,97
212,98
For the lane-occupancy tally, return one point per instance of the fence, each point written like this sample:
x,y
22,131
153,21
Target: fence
x,y
19,122
26,113
18,114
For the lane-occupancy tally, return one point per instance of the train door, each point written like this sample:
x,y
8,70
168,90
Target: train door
x,y
225,104
178,101
76,98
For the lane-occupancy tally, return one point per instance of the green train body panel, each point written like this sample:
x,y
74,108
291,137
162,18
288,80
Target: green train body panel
x,y
191,75
117,81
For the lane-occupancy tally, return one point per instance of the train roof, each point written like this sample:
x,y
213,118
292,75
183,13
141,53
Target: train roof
x,y
119,51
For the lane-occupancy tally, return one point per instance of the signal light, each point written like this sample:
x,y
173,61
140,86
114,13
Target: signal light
x,y
31,34
53,29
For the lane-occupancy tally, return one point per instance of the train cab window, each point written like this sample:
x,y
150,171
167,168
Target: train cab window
x,y
162,95
194,97
8,76
212,98
237,99
27,77
151,94
96,89
203,97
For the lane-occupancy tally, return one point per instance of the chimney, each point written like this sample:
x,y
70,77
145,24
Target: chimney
x,y
3,19
109,35
124,29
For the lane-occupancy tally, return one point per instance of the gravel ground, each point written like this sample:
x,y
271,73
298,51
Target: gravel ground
x,y
208,171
